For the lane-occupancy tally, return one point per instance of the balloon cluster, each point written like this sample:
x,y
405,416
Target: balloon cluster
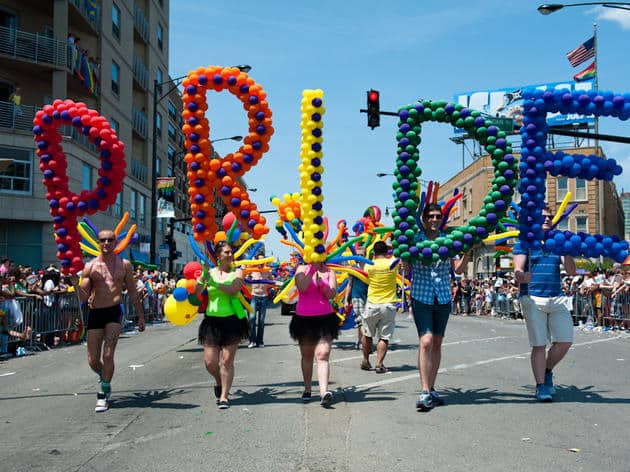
x,y
183,304
536,162
407,173
311,171
65,206
209,175
89,231
289,210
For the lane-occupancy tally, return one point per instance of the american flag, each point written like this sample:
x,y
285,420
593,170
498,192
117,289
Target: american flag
x,y
582,53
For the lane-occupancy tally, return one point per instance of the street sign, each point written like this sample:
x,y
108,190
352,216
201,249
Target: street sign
x,y
504,124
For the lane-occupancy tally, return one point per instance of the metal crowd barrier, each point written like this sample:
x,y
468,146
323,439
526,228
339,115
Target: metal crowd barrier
x,y
57,315
505,307
64,316
605,310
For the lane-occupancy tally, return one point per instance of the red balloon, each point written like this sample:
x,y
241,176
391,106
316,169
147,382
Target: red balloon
x,y
192,270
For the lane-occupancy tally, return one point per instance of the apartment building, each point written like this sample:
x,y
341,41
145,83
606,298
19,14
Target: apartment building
x,y
107,54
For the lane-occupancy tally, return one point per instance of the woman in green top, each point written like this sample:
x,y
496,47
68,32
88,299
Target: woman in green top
x,y
225,323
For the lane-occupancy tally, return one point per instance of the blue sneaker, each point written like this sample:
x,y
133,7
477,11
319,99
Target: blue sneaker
x,y
549,383
542,394
424,402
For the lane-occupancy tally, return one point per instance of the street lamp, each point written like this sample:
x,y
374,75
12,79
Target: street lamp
x,y
548,9
383,174
387,208
157,99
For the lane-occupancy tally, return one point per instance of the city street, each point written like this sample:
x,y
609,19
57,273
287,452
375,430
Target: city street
x,y
163,415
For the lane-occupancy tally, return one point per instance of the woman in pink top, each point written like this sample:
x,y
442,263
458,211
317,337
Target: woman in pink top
x,y
315,325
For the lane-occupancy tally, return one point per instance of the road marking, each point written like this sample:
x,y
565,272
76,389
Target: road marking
x,y
415,376
7,374
144,439
452,343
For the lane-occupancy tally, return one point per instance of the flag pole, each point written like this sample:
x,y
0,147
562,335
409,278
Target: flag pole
x,y
600,183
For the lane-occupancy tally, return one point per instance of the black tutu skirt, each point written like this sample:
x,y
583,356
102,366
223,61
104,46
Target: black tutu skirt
x,y
222,331
313,328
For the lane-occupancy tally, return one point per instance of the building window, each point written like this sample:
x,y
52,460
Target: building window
x,y
581,224
159,76
563,188
86,177
158,167
580,189
113,124
172,111
141,210
17,177
118,205
115,78
171,131
158,124
160,36
132,205
115,20
563,225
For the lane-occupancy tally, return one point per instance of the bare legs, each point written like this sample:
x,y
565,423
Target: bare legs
x,y
542,360
103,341
319,351
429,358
220,364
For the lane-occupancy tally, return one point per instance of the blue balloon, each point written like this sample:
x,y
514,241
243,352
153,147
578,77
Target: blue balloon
x,y
180,294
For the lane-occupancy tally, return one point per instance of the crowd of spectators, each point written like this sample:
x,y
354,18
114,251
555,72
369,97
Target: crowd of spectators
x,y
39,307
598,299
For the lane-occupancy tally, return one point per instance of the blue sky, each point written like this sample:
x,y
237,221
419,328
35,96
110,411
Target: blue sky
x,y
406,50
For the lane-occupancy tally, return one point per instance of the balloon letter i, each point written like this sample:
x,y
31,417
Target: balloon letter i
x,y
311,171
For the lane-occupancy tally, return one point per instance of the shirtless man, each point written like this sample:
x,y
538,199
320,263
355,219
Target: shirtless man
x,y
103,281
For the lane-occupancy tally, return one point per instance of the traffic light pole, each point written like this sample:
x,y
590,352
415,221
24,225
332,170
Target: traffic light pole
x,y
387,113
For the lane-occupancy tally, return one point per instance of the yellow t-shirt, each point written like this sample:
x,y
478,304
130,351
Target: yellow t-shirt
x,y
382,281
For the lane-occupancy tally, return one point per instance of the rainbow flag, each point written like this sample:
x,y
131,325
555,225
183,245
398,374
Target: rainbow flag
x,y
586,74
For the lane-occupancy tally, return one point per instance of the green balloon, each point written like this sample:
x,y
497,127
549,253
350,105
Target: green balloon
x,y
460,123
412,111
435,257
469,121
403,247
411,234
491,148
481,132
411,204
405,256
492,139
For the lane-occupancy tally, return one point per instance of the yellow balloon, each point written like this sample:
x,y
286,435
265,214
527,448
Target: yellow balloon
x,y
179,313
181,283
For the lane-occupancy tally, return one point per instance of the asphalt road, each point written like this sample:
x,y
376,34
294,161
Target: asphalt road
x,y
164,418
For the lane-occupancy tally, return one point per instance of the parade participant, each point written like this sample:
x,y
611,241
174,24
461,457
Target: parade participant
x,y
259,305
225,323
544,308
431,302
315,325
379,319
356,294
102,282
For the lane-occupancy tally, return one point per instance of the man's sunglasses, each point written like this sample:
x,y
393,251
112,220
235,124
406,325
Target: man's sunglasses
x,y
107,240
434,217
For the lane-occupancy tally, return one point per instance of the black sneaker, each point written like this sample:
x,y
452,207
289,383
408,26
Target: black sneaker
x,y
326,399
223,405
306,396
217,392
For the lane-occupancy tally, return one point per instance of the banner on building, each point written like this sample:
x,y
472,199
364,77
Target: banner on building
x,y
508,103
166,199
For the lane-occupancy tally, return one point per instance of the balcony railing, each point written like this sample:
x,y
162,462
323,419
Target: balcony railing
x,y
139,170
140,72
91,14
32,47
140,123
17,117
140,22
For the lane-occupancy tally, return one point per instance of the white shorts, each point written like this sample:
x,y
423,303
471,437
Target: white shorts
x,y
547,318
379,320
358,306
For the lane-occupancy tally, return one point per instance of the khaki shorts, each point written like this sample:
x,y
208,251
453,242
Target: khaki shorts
x,y
379,320
547,318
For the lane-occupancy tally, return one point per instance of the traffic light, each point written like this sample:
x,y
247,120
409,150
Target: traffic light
x,y
172,250
373,109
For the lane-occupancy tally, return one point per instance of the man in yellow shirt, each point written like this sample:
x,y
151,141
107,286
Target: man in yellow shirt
x,y
379,318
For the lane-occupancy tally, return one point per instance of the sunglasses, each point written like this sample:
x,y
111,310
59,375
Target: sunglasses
x,y
547,217
107,240
434,217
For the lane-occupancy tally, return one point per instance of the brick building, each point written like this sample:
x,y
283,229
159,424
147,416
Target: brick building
x,y
599,211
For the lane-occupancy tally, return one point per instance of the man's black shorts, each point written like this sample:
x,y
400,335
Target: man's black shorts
x,y
99,317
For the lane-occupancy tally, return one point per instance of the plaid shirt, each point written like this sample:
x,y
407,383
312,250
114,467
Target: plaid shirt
x,y
431,281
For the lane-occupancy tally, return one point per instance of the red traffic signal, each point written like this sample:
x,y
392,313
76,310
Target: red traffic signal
x,y
373,109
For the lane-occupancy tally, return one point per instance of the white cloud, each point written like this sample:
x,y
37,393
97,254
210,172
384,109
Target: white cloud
x,y
616,15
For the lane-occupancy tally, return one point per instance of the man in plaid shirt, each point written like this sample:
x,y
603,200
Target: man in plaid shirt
x,y
431,303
